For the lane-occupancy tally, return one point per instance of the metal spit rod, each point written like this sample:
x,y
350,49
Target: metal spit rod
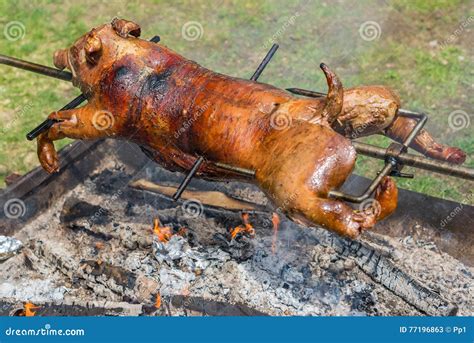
x,y
364,149
35,68
416,161
46,125
188,178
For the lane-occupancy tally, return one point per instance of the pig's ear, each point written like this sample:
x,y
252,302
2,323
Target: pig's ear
x,y
124,28
93,49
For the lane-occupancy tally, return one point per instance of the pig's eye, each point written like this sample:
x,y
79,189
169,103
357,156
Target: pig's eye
x,y
93,49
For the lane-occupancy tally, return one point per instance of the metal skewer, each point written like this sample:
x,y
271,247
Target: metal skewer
x,y
306,92
35,68
188,178
264,62
46,125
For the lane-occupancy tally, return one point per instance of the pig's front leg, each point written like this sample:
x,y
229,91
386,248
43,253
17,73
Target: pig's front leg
x,y
82,123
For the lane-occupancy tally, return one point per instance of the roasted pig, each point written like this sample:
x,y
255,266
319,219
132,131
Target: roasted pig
x,y
177,110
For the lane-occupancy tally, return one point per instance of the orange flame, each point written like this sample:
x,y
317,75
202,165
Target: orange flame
x,y
247,228
28,309
276,224
163,233
158,300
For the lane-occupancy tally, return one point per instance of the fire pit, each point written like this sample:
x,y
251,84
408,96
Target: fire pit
x,y
105,237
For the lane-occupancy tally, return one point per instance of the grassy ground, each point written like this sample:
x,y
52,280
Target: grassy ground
x,y
422,50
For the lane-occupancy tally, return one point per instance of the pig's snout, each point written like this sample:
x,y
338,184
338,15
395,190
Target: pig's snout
x,y
60,59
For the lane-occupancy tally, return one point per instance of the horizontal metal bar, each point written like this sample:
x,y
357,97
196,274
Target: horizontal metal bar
x,y
306,92
416,161
242,171
36,68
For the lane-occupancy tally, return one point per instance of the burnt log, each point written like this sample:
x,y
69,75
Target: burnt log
x,y
382,270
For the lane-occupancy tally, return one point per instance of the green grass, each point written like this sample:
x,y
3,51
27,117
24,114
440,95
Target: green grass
x,y
429,77
426,7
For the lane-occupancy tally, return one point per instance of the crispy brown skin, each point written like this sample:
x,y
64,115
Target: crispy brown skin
x,y
178,110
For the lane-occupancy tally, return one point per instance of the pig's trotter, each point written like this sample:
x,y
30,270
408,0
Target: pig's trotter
x,y
350,222
386,196
47,154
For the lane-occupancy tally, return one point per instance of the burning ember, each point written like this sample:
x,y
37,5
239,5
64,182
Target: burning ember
x,y
276,223
163,233
28,310
247,228
158,301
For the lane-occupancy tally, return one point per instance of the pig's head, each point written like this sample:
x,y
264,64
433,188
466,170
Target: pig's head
x,y
94,52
